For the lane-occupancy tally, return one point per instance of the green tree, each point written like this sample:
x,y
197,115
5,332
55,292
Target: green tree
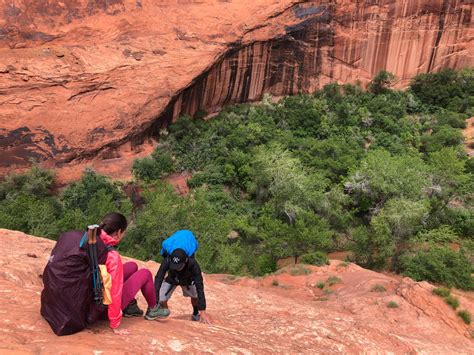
x,y
448,89
79,194
381,82
36,182
381,176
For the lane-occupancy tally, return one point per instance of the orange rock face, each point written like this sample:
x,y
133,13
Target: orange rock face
x,y
277,313
90,81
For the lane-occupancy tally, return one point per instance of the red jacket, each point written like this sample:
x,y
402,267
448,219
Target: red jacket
x,y
115,269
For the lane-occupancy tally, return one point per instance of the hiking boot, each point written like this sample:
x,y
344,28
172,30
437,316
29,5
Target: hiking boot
x,y
132,310
156,312
196,317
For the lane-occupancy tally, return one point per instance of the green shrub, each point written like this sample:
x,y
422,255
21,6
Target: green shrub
x,y
441,265
378,288
298,270
445,136
37,216
317,258
452,301
442,291
453,119
160,164
265,264
448,89
470,165
343,264
392,304
37,182
80,193
320,285
381,82
333,280
465,316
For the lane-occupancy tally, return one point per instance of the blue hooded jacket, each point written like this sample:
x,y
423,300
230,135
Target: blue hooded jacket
x,y
182,239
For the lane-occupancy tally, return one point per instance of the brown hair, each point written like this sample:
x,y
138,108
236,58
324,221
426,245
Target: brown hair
x,y
113,222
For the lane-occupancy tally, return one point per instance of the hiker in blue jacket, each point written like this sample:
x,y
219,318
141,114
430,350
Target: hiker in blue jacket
x,y
181,269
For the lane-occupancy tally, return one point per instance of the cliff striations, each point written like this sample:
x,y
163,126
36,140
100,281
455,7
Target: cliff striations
x,y
91,80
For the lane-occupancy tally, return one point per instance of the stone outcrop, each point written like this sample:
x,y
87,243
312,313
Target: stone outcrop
x,y
89,81
279,313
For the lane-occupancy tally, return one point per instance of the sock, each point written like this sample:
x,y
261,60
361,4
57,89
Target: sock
x,y
195,311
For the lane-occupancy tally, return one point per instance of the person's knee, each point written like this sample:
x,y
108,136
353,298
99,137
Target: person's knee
x,y
145,274
130,266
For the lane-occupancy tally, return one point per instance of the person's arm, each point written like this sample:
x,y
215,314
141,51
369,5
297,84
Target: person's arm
x,y
160,275
199,283
115,269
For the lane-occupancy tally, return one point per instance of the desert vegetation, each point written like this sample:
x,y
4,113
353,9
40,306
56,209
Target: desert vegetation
x,y
379,172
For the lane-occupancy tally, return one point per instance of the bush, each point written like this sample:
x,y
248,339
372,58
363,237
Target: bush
x,y
381,82
79,194
320,285
452,301
441,265
298,270
442,291
317,258
465,316
378,288
445,136
328,291
37,216
453,119
343,264
447,89
392,304
37,182
159,165
333,280
372,248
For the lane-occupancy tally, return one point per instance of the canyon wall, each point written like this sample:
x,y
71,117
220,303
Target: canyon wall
x,y
84,81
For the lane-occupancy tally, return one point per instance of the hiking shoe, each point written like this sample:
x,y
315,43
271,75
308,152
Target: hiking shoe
x,y
156,312
196,317
132,310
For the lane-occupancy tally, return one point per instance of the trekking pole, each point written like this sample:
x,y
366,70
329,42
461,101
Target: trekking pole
x,y
94,263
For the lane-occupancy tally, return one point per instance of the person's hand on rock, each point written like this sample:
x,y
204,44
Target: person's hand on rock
x,y
205,318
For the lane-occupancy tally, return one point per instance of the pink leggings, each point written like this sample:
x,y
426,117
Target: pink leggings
x,y
133,281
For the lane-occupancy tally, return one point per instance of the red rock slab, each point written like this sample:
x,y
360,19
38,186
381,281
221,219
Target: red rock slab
x,y
249,315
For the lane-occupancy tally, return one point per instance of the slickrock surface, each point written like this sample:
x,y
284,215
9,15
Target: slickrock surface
x,y
88,82
277,313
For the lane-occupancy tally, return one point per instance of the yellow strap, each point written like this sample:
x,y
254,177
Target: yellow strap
x,y
106,285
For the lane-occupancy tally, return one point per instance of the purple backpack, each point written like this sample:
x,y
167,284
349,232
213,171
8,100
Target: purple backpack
x,y
67,301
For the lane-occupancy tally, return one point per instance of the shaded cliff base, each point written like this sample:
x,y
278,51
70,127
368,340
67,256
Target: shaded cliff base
x,y
285,312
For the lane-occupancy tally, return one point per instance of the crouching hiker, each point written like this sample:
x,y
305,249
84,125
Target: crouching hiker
x,y
85,280
181,269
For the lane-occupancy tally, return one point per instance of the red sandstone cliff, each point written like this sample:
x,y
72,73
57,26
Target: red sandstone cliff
x,y
94,78
278,313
